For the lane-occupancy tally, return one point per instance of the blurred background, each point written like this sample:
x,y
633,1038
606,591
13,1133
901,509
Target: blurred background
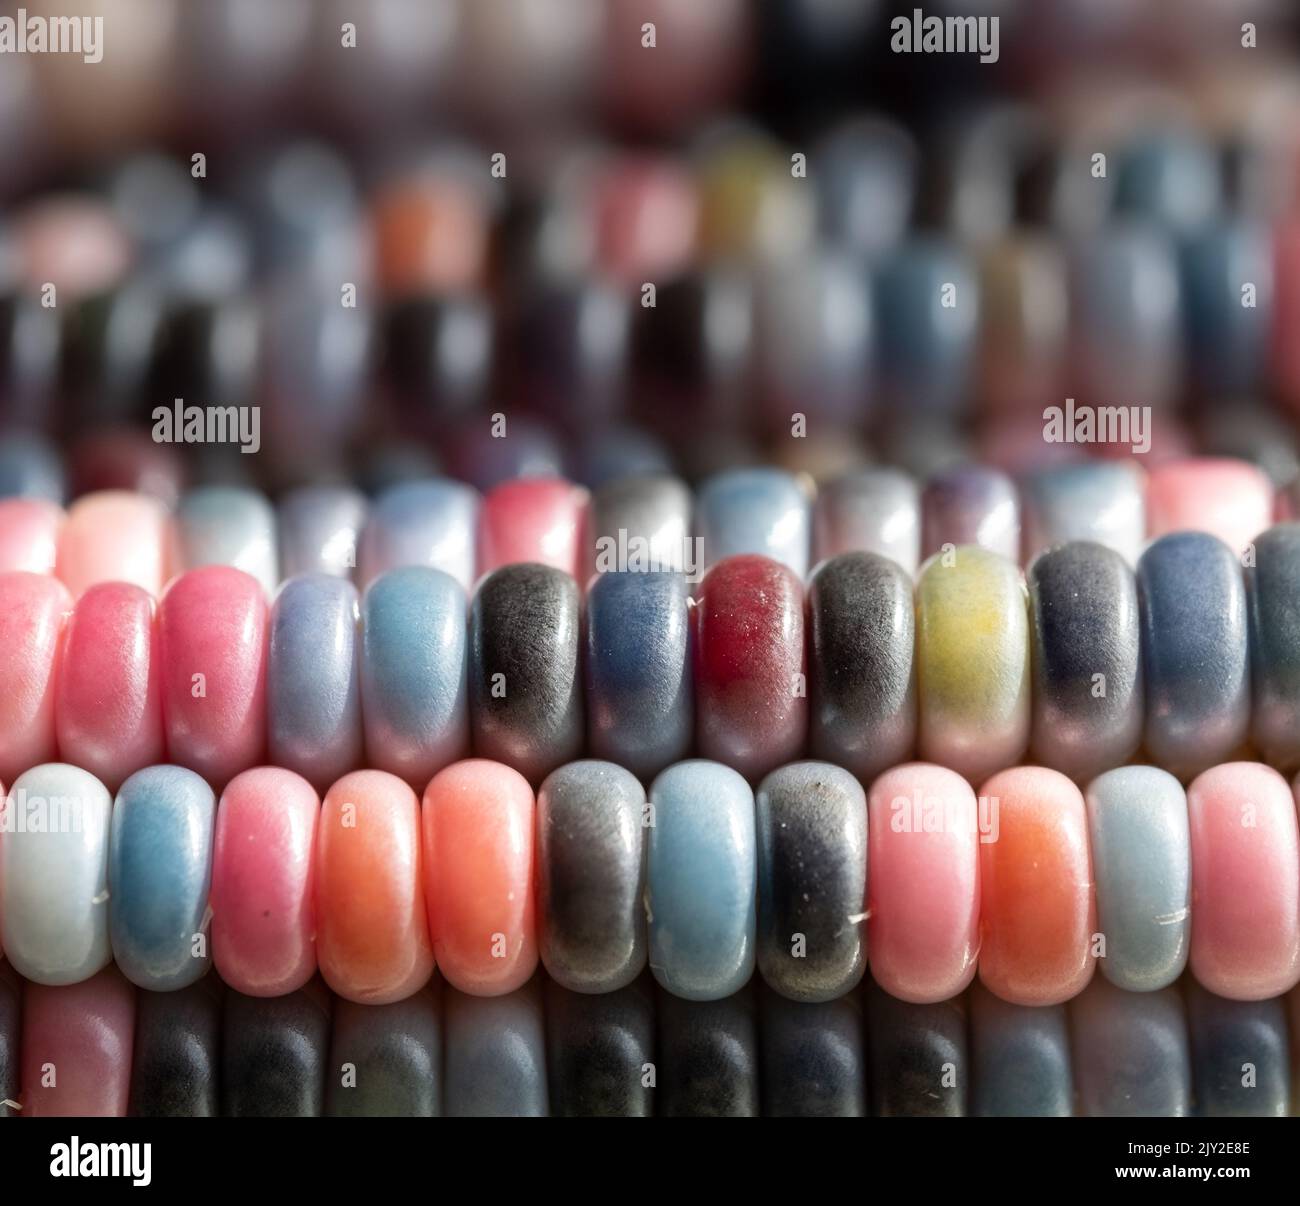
x,y
498,181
